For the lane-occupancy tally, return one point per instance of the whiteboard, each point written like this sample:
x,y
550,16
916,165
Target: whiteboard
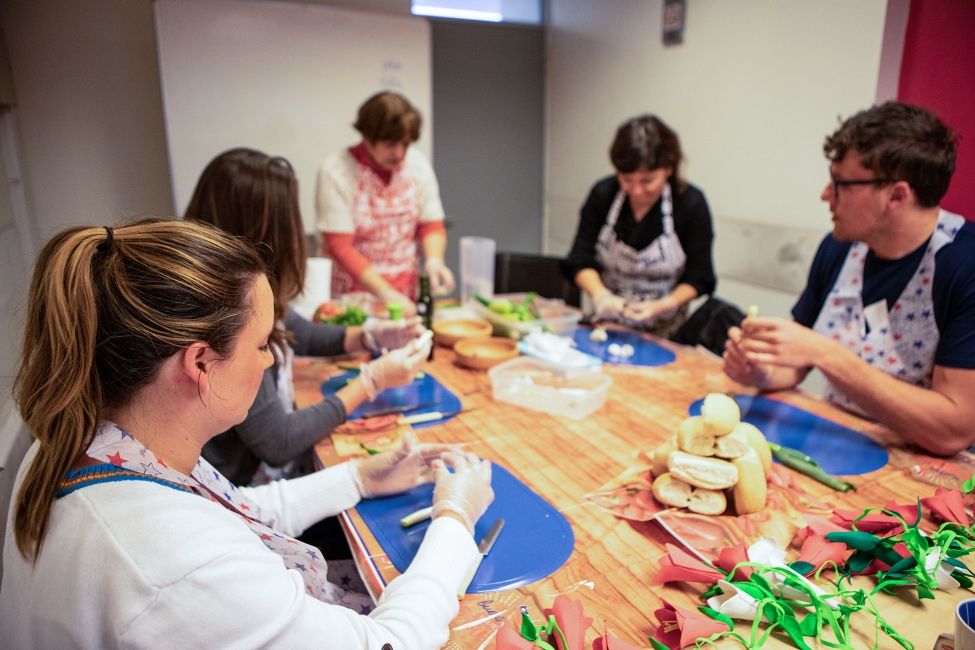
x,y
282,77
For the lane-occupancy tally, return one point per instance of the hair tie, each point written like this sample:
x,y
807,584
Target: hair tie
x,y
106,245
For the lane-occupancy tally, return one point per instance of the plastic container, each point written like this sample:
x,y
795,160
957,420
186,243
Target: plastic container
x,y
541,386
554,316
476,267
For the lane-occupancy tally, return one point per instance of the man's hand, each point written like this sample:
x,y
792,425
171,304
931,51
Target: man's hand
x,y
736,363
441,278
781,342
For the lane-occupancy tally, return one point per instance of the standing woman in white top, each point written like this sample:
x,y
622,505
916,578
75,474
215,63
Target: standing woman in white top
x,y
642,251
142,342
379,207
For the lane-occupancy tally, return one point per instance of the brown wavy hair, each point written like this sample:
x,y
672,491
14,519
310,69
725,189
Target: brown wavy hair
x,y
388,116
253,195
106,308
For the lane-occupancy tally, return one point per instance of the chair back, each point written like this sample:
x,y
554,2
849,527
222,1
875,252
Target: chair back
x,y
518,272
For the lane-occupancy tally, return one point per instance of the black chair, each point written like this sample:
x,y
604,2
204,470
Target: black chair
x,y
518,272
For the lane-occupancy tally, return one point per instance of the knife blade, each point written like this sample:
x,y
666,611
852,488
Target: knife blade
x,y
484,547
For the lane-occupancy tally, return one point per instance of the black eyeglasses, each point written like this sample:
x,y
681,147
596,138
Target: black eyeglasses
x,y
842,182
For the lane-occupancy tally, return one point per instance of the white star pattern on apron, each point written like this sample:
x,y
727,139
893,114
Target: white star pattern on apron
x,y
647,274
114,445
903,342
385,218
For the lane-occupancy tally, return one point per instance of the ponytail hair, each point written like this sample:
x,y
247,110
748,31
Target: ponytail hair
x,y
106,308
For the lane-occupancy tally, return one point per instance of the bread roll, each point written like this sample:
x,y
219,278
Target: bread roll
x,y
756,439
751,490
707,502
699,471
672,491
733,445
660,456
694,438
720,413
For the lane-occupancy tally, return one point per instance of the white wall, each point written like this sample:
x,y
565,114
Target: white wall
x,y
752,91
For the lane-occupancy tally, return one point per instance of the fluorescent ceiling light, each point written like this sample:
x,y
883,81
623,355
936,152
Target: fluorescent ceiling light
x,y
462,14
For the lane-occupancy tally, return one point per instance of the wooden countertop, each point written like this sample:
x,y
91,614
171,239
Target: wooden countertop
x,y
614,560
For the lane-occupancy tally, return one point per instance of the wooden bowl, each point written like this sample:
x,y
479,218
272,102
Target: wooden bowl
x,y
449,332
485,351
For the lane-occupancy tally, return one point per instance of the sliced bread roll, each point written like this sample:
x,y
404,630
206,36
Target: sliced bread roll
x,y
699,471
660,456
751,490
694,437
672,491
733,445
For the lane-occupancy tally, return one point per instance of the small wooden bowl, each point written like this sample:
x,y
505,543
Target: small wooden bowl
x,y
449,332
485,351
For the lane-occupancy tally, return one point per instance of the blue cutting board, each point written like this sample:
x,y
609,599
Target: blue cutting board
x,y
645,352
837,449
423,395
535,541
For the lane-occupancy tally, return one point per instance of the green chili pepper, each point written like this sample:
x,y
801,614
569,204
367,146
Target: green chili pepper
x,y
805,465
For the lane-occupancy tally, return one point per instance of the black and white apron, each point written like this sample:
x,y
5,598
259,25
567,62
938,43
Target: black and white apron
x,y
902,341
646,274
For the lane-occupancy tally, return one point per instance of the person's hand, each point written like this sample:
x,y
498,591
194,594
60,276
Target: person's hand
x,y
380,334
736,363
392,296
648,311
441,279
397,470
396,368
608,305
782,342
466,492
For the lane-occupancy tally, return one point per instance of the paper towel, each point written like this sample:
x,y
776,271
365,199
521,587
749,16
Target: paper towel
x,y
317,289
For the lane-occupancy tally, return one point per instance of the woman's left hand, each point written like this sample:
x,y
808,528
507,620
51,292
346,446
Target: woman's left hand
x,y
397,470
648,311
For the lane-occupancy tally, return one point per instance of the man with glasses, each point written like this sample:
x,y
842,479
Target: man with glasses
x,y
888,313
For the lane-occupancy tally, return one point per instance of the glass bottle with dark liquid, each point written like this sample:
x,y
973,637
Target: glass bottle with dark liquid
x,y
424,306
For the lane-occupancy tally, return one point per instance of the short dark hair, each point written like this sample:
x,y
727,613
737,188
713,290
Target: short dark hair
x,y
646,142
902,142
388,116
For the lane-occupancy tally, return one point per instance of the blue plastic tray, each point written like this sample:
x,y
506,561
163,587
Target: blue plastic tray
x,y
535,541
645,353
837,449
423,395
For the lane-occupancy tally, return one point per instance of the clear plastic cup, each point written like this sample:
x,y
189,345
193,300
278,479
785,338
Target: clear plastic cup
x,y
476,267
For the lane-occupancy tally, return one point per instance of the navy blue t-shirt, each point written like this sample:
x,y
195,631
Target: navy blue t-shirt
x,y
953,291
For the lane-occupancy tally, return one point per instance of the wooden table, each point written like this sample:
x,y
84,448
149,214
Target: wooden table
x,y
614,559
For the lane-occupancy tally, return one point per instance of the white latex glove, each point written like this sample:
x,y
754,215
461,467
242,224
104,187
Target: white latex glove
x,y
608,305
396,368
648,311
397,470
441,279
380,334
466,491
394,296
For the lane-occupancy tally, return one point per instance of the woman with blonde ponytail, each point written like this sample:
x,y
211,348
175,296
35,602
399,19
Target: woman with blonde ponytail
x,y
143,342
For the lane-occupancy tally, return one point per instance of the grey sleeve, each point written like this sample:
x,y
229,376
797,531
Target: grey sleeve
x,y
276,436
313,339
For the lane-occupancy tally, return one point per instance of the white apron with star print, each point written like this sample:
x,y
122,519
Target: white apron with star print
x,y
903,341
646,274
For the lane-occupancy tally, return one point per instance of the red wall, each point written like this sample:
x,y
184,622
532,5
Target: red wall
x,y
938,72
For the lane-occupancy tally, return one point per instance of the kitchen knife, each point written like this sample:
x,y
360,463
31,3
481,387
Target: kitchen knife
x,y
483,547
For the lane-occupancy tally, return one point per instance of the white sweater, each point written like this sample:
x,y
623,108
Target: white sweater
x,y
137,564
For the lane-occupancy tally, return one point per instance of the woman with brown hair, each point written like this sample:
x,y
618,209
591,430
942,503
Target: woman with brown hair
x,y
642,251
253,195
142,342
379,206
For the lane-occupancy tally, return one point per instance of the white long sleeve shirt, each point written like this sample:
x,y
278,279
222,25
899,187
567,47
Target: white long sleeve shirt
x,y
137,564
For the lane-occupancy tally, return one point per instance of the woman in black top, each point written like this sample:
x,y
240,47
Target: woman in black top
x,y
643,248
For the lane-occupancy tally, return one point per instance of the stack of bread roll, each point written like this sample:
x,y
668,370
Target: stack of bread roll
x,y
713,456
